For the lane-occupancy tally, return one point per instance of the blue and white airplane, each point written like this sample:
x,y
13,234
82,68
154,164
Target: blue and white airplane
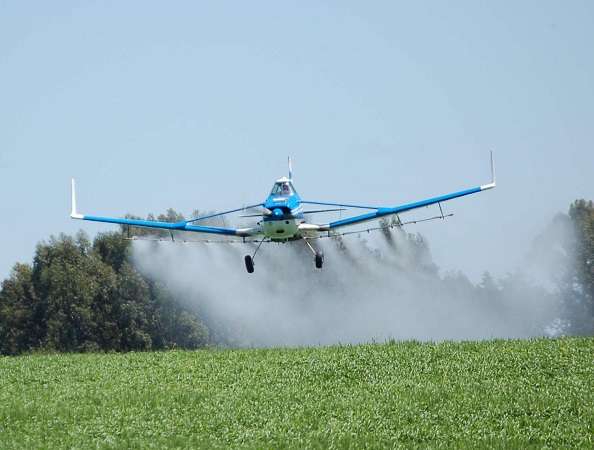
x,y
283,217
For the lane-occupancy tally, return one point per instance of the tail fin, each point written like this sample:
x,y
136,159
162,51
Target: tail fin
x,y
73,213
290,169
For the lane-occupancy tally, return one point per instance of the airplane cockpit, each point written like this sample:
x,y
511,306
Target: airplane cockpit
x,y
282,188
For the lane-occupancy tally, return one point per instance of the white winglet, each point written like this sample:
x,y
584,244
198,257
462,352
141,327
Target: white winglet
x,y
493,183
74,214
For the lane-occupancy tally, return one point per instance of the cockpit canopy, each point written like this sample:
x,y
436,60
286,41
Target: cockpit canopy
x,y
282,188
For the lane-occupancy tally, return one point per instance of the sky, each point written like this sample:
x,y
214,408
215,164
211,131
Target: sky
x,y
196,105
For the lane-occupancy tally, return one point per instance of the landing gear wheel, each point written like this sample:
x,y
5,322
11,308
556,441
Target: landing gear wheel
x,y
319,260
249,263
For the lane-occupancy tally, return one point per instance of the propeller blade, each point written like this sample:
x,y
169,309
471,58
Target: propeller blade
x,y
268,212
265,212
323,210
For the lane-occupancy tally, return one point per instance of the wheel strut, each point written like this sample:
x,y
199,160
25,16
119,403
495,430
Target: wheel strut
x,y
310,247
318,256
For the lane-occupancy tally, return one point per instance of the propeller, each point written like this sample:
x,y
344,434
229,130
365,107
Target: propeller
x,y
323,210
266,212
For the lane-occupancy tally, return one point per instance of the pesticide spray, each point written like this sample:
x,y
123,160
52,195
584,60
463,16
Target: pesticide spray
x,y
372,288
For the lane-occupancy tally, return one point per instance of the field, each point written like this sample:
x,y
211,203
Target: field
x,y
536,393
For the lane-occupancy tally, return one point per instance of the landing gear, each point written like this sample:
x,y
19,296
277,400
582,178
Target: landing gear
x,y
249,260
249,263
319,260
318,256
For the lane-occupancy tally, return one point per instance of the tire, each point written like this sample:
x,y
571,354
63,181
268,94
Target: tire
x,y
249,263
319,260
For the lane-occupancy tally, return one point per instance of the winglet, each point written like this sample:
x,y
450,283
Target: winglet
x,y
493,183
290,169
73,213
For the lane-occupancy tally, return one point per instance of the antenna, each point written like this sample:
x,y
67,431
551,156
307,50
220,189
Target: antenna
x,y
290,168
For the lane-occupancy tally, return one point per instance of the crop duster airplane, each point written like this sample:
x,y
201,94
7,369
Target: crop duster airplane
x,y
283,217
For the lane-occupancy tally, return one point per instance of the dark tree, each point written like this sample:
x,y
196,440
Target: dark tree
x,y
21,324
581,282
79,296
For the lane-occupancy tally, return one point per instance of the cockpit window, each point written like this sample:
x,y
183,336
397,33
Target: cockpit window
x,y
282,189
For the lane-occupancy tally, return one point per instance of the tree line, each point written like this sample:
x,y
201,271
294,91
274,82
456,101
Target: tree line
x,y
80,295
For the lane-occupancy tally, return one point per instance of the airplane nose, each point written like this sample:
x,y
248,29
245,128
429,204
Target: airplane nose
x,y
277,212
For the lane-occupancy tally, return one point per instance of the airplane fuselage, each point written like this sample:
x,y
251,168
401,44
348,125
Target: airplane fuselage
x,y
285,212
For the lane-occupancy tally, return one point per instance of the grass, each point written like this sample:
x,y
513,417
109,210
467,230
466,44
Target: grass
x,y
501,394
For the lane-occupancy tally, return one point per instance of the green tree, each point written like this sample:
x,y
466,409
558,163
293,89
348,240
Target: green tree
x,y
83,296
76,289
136,314
581,282
21,326
112,248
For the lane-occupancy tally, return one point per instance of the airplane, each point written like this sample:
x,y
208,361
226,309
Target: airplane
x,y
283,217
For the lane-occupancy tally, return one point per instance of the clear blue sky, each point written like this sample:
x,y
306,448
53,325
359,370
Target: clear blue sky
x,y
192,105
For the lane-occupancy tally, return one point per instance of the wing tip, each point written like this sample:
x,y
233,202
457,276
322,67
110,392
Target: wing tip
x,y
74,214
493,182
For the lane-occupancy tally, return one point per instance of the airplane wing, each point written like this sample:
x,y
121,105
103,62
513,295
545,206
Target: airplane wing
x,y
185,225
386,211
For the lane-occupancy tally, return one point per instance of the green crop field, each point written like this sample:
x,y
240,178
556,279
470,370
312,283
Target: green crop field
x,y
517,394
